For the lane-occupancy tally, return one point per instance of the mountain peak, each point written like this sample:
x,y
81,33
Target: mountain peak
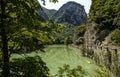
x,y
72,13
74,3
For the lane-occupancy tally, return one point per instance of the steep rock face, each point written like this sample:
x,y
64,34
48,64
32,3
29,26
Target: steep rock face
x,y
72,13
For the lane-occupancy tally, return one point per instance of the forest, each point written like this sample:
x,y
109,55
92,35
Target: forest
x,y
33,44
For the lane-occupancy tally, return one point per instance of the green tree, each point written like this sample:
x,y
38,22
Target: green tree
x,y
105,13
79,34
115,36
16,15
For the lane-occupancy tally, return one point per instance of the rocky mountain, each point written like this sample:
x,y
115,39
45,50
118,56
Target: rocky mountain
x,y
72,13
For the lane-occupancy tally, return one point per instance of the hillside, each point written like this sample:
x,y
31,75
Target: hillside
x,y
49,12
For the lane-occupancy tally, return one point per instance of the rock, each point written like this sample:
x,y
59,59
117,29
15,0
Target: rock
x,y
71,13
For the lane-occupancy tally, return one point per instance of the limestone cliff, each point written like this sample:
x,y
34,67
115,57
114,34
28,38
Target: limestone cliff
x,y
72,13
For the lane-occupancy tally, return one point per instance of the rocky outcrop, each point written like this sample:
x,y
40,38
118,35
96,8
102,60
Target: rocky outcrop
x,y
90,35
72,13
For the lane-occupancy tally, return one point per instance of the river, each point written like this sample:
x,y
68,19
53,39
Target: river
x,y
57,55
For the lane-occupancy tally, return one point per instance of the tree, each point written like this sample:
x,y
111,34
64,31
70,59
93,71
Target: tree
x,y
79,34
115,36
29,67
16,15
105,13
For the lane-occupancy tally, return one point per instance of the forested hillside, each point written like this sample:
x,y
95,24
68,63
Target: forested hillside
x,y
46,13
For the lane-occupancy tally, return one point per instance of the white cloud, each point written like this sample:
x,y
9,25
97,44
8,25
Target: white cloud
x,y
56,6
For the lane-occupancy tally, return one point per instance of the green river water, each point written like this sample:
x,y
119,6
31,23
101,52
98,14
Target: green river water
x,y
57,55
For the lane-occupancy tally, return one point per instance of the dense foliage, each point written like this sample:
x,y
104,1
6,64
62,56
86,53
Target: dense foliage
x,y
79,34
66,71
25,25
63,33
115,36
106,13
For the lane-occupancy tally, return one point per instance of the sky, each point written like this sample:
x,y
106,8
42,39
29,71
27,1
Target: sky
x,y
56,6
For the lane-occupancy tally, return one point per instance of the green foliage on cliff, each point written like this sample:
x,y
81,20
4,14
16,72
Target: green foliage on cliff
x,y
115,36
106,16
106,13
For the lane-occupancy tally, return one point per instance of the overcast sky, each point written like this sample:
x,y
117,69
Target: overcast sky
x,y
56,6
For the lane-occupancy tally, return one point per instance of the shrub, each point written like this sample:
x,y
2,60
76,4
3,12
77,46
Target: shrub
x,y
65,71
28,67
115,36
